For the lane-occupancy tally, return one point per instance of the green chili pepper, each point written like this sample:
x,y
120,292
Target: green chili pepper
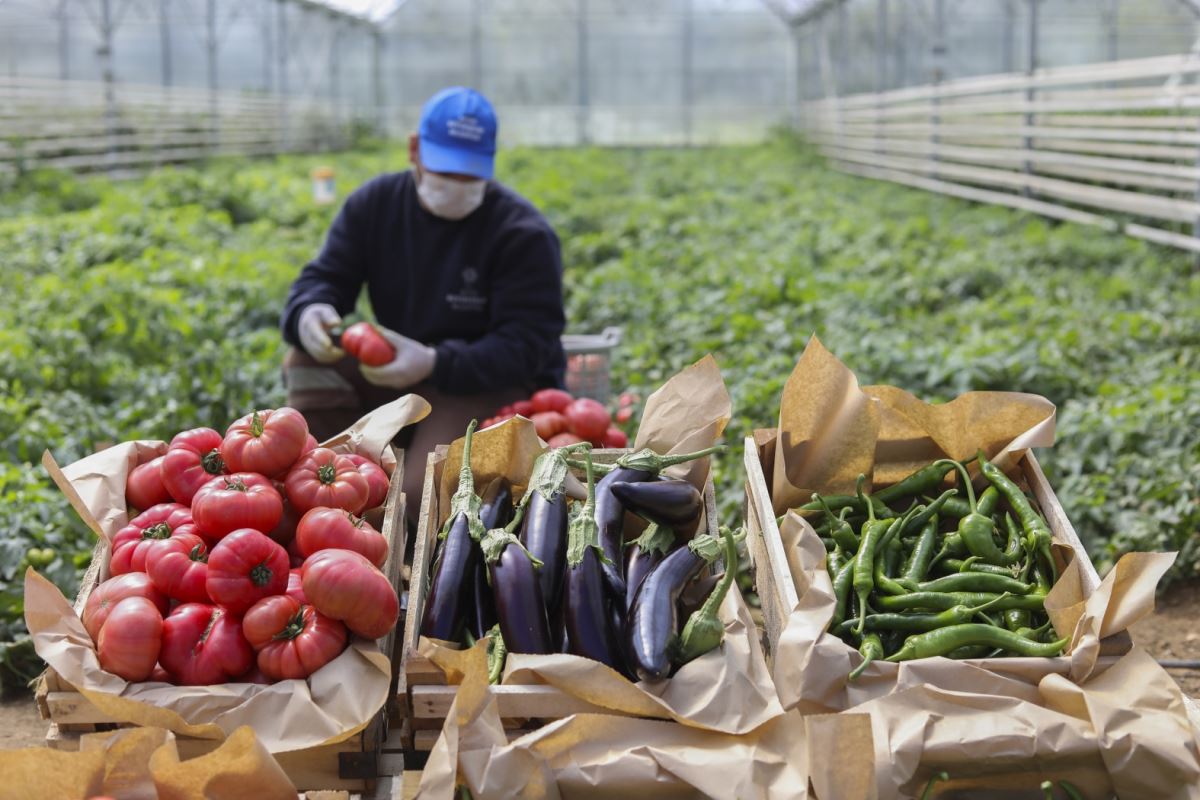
x,y
857,504
841,591
973,564
497,653
975,582
871,649
930,510
1047,790
970,651
1017,619
839,530
864,561
956,507
829,544
933,779
945,640
893,557
926,479
919,623
976,529
952,545
834,561
1072,791
940,601
921,555
1031,522
988,502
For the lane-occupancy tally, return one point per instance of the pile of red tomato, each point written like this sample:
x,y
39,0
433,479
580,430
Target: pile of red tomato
x,y
248,561
561,419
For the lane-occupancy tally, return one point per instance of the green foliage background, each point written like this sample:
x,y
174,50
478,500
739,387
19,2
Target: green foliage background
x,y
137,309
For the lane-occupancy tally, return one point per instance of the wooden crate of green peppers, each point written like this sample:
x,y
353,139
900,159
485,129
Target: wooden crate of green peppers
x,y
945,565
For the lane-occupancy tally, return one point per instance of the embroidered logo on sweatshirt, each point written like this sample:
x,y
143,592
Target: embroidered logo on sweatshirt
x,y
468,298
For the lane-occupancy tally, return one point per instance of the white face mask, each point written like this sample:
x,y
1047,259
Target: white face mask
x,y
447,198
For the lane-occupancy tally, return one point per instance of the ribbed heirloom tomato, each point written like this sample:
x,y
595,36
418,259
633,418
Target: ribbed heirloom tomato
x,y
325,478
377,479
145,532
245,567
193,459
344,585
365,343
240,500
144,486
325,528
179,568
203,645
292,640
130,639
295,587
267,442
104,598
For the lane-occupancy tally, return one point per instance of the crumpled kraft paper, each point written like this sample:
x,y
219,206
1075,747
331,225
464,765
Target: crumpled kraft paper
x,y
333,704
143,764
598,755
831,430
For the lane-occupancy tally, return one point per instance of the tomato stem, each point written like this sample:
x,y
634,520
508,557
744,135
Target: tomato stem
x,y
260,575
294,628
160,531
235,485
212,462
256,425
326,473
198,553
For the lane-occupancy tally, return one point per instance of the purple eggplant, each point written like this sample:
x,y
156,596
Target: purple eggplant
x,y
447,604
495,511
675,504
544,533
517,593
633,468
652,625
644,554
587,608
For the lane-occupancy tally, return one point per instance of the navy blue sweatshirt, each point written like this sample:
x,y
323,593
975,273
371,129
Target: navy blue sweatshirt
x,y
485,291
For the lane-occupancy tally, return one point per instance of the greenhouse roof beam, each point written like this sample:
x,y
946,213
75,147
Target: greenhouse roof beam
x,y
798,12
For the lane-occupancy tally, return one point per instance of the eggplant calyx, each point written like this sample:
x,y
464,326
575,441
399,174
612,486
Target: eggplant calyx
x,y
655,539
465,501
650,461
550,473
704,630
497,654
710,547
583,532
496,540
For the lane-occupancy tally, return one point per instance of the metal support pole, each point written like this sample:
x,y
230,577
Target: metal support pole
x,y
841,75
938,56
583,73
1031,65
210,55
1111,20
476,45
796,78
335,93
901,40
281,44
164,40
377,80
881,37
105,52
64,41
268,52
686,81
1009,36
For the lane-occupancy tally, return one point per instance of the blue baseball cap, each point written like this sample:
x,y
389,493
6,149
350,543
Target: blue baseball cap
x,y
458,133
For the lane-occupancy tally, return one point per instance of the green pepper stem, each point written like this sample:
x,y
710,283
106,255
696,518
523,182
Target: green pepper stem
x,y
966,476
858,490
934,779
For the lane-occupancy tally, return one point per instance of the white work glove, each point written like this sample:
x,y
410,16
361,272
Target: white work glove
x,y
413,363
313,329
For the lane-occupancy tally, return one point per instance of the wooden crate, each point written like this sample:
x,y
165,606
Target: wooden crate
x,y
773,577
352,765
426,696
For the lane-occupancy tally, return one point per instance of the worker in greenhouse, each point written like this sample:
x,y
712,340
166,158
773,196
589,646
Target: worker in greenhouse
x,y
464,277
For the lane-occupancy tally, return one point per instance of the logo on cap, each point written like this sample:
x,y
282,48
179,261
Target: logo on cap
x,y
465,128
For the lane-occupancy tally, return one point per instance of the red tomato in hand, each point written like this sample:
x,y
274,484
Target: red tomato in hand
x,y
203,645
292,640
324,478
245,567
550,400
563,439
523,408
326,528
266,442
615,437
377,480
295,588
130,639
104,598
587,419
148,529
144,487
548,424
240,500
192,460
362,341
344,585
179,568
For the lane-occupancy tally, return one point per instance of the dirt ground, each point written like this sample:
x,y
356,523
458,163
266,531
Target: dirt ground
x,y
1171,633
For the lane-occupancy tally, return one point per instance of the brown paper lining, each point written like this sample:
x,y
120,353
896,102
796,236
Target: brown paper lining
x,y
332,705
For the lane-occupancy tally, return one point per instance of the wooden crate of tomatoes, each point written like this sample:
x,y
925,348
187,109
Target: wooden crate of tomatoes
x,y
509,575
251,556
